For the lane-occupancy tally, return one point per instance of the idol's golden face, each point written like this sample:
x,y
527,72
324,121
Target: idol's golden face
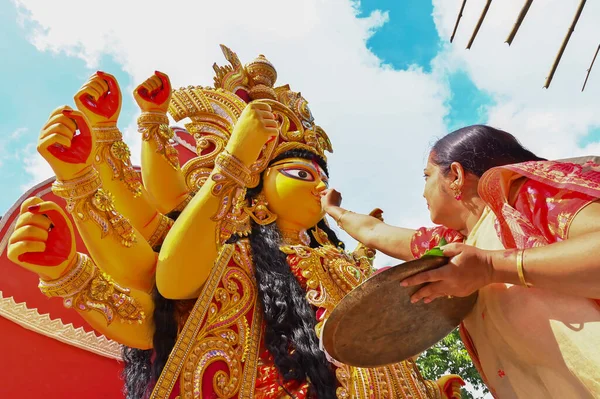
x,y
293,189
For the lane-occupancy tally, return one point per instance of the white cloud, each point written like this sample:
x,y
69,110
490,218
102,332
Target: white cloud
x,y
17,133
6,142
550,122
381,121
35,166
370,111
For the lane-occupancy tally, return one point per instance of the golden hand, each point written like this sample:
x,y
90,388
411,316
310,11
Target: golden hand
x,y
253,129
154,93
100,99
450,386
67,144
43,239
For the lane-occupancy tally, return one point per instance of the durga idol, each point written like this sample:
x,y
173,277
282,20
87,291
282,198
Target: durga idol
x,y
216,276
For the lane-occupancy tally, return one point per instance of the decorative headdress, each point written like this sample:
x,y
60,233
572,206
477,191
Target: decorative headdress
x,y
214,111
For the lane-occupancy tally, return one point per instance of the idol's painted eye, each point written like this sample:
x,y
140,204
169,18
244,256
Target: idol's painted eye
x,y
298,173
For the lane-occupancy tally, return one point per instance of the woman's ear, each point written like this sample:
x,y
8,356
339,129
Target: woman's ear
x,y
457,175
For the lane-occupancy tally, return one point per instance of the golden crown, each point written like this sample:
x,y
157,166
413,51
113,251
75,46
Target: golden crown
x,y
213,111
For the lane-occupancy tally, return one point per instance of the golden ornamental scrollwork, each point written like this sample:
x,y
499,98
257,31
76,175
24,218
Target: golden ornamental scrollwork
x,y
224,327
154,127
112,151
330,274
86,288
86,199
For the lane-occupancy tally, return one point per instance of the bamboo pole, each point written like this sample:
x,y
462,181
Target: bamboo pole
x,y
481,18
590,68
564,44
462,7
520,19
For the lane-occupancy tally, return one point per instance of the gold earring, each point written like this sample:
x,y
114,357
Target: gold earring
x,y
259,211
457,191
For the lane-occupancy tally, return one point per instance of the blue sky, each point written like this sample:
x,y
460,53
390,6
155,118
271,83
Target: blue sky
x,y
36,82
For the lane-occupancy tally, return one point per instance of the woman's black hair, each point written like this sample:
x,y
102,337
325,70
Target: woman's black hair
x,y
290,320
479,148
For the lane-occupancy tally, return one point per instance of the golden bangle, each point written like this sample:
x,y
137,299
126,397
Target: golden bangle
x,y
72,282
227,166
520,268
154,126
87,200
164,225
79,187
339,219
153,118
113,152
107,134
85,288
181,206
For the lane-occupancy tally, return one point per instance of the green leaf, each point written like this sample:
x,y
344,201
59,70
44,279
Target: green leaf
x,y
436,251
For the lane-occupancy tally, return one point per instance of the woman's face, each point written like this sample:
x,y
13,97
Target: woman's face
x,y
440,199
293,189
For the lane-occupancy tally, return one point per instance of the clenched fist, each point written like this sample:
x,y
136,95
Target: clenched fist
x,y
43,239
66,143
100,99
450,386
154,93
253,129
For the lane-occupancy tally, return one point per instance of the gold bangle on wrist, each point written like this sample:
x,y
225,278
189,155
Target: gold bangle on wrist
x,y
72,282
87,200
339,219
154,126
107,134
112,151
72,190
520,268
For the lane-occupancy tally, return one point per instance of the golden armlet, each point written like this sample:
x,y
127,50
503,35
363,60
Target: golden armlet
x,y
181,206
230,170
112,150
86,199
164,225
154,126
231,179
85,288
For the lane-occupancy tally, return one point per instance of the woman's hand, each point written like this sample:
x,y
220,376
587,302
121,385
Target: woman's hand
x,y
329,198
469,269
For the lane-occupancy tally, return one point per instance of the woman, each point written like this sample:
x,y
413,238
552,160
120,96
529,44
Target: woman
x,y
523,232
